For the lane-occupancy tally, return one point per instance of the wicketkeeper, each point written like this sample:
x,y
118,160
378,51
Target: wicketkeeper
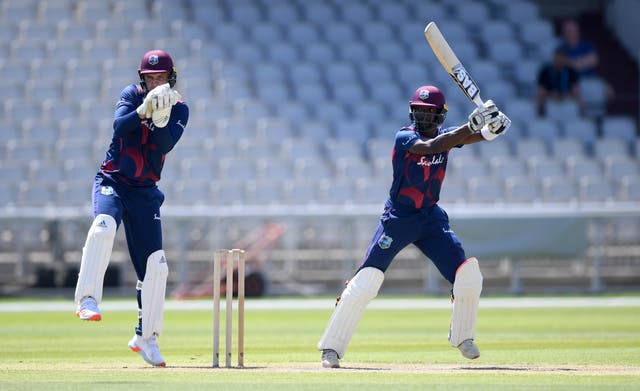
x,y
148,122
412,215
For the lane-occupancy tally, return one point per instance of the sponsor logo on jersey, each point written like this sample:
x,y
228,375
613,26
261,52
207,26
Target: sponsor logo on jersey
x,y
424,162
385,242
156,217
106,190
465,81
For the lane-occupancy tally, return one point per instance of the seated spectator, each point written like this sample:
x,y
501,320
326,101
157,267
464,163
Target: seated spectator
x,y
557,81
581,53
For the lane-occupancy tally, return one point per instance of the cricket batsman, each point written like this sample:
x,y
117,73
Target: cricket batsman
x,y
148,122
412,215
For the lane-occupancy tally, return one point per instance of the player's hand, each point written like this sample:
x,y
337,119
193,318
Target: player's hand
x,y
497,127
481,116
163,97
145,109
500,124
160,117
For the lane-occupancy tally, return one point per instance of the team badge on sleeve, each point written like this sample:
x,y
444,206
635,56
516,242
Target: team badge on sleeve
x,y
385,242
106,190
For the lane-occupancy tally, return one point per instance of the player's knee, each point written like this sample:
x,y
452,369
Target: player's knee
x,y
468,279
364,286
103,226
157,262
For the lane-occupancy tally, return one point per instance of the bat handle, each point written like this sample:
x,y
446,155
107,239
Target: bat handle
x,y
478,100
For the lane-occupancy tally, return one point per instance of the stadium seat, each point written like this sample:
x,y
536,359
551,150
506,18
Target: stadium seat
x,y
501,52
619,167
340,148
336,192
583,167
371,192
322,14
282,13
490,150
619,126
340,72
593,91
522,189
370,112
302,34
319,53
486,190
546,167
519,12
350,169
264,192
596,190
563,110
534,30
311,93
276,170
376,33
557,189
389,52
505,167
581,129
301,73
375,72
355,13
630,187
567,147
531,147
338,33
611,147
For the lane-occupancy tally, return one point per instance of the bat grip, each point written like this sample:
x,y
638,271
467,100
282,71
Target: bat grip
x,y
478,100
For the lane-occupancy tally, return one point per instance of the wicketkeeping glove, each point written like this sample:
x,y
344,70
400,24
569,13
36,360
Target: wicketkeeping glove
x,y
481,116
165,102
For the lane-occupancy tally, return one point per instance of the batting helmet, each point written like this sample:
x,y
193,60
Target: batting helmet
x,y
427,120
157,61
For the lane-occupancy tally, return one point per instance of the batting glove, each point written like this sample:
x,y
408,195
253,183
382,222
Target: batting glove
x,y
481,116
496,127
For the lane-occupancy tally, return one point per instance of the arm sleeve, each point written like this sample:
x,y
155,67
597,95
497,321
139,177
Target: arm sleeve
x,y
166,138
126,118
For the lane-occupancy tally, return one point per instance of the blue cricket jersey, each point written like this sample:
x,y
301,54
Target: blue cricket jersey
x,y
137,151
417,179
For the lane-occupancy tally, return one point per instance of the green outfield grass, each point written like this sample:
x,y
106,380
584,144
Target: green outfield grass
x,y
522,349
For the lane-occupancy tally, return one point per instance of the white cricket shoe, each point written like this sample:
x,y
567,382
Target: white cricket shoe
x,y
469,349
148,349
330,359
88,309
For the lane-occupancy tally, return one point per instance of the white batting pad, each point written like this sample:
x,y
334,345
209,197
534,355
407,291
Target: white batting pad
x,y
466,295
95,257
362,288
153,291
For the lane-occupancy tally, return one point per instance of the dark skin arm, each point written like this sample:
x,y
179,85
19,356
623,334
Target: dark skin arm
x,y
446,141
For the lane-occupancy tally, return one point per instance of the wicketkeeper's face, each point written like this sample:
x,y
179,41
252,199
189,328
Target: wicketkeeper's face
x,y
156,79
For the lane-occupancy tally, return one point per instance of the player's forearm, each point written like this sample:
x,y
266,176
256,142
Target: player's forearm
x,y
441,143
163,139
125,123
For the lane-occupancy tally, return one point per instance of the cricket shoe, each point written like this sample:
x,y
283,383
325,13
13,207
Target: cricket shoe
x,y
469,349
330,359
148,349
88,309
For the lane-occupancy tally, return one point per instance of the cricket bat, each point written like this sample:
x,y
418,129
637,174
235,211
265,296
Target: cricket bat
x,y
451,64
